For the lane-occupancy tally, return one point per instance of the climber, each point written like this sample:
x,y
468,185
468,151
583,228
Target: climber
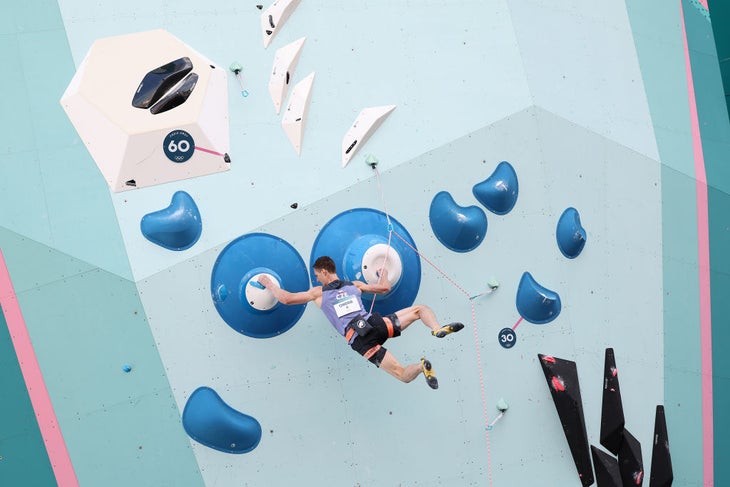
x,y
366,333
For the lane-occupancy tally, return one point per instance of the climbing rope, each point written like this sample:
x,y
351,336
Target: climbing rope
x,y
390,228
392,232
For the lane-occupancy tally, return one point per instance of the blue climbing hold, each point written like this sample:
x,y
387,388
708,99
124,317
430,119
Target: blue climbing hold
x,y
241,301
498,193
176,227
536,303
571,236
210,421
459,228
357,241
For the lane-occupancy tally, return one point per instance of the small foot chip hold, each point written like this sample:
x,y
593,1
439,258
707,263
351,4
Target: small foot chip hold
x,y
433,383
502,407
447,329
371,161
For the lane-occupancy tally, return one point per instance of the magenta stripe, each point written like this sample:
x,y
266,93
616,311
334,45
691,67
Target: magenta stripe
x,y
51,433
703,251
209,151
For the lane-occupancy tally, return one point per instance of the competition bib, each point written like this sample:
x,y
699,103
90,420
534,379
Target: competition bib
x,y
346,305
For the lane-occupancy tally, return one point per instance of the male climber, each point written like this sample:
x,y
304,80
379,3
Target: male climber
x,y
341,303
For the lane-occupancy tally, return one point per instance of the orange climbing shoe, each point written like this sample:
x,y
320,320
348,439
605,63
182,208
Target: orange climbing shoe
x,y
446,329
431,379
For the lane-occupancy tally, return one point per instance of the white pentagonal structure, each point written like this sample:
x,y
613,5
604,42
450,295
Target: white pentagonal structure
x,y
295,116
285,62
274,17
367,122
137,147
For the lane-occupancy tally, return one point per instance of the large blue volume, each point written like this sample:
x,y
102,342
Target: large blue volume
x,y
240,299
348,236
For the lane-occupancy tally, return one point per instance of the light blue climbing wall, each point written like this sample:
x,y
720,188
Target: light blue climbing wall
x,y
587,102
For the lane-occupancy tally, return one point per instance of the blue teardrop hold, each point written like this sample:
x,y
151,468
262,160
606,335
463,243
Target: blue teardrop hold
x,y
210,421
570,234
535,303
176,227
498,193
459,228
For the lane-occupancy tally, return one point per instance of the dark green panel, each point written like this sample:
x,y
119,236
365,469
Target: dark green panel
x,y
720,14
719,214
24,457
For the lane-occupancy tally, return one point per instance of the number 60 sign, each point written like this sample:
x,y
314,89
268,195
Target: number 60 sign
x,y
178,146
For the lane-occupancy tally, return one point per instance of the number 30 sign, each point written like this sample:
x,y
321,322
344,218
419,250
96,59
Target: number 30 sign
x,y
507,337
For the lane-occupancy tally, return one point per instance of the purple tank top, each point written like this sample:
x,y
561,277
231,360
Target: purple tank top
x,y
341,303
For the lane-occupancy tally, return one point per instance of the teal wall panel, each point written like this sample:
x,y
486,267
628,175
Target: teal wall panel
x,y
92,394
15,118
720,280
715,132
56,193
23,456
660,47
86,324
32,264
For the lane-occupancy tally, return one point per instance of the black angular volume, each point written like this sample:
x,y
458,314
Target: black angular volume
x,y
661,460
606,468
630,462
612,411
562,379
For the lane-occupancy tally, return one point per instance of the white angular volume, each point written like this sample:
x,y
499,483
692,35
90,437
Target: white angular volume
x,y
296,113
365,124
274,17
133,147
285,61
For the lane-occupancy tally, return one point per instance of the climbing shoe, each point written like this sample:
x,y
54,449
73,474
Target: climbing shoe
x,y
433,383
446,329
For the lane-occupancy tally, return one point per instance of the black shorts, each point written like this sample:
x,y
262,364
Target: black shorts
x,y
371,345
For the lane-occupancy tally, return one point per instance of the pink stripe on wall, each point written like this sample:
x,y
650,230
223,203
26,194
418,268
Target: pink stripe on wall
x,y
51,433
703,250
